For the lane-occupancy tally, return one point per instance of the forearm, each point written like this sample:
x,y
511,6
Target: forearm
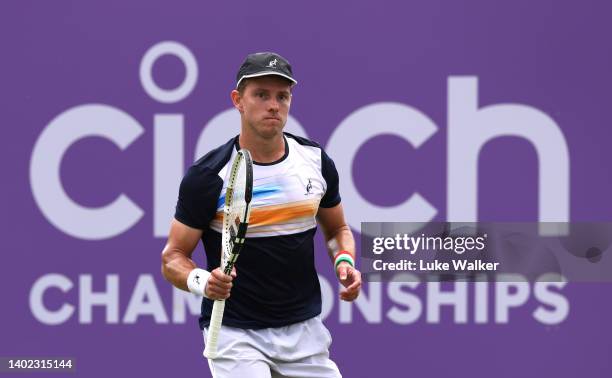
x,y
341,240
176,267
339,244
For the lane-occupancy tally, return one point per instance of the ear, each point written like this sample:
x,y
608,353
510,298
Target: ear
x,y
236,100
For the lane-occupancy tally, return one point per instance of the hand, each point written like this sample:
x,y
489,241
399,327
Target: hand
x,y
350,278
219,284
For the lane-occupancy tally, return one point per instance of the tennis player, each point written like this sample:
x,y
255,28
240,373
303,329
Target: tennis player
x,y
272,325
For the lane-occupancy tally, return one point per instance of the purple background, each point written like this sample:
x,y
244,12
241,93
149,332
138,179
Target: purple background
x,y
551,55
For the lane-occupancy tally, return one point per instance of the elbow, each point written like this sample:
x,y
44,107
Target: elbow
x,y
165,260
163,270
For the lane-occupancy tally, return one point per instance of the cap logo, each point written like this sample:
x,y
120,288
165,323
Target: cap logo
x,y
273,63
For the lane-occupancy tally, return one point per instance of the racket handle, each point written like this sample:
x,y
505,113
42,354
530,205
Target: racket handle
x,y
210,351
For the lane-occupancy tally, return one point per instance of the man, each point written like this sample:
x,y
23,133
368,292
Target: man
x,y
271,325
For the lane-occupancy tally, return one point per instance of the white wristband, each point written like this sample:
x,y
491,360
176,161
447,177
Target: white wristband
x,y
196,281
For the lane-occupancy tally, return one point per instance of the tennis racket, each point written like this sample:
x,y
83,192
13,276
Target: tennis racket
x,y
235,222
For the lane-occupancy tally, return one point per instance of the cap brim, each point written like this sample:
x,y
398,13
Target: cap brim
x,y
266,73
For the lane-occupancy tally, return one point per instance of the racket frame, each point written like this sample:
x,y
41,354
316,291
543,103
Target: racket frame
x,y
229,257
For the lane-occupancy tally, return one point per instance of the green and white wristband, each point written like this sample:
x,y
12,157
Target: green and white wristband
x,y
343,256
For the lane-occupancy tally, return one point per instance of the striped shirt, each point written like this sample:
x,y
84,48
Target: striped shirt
x,y
277,284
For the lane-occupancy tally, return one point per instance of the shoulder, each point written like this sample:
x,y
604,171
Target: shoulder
x,y
307,147
216,159
205,171
313,149
308,144
303,141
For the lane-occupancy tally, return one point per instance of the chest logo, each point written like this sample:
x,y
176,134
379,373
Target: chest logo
x,y
308,188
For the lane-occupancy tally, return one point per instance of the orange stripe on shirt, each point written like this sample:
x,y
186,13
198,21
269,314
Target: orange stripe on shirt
x,y
278,214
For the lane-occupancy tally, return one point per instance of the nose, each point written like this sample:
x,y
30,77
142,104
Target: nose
x,y
273,105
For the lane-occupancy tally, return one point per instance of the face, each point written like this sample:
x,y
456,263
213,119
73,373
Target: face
x,y
264,105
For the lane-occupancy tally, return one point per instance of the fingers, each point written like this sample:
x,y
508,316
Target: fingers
x,y
352,283
219,284
342,271
350,294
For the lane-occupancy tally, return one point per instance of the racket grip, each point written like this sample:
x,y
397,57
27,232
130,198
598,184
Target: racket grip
x,y
216,317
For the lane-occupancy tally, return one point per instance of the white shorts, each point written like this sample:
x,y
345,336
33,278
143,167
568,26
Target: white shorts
x,y
297,350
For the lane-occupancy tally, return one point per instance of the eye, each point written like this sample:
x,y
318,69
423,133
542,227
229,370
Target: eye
x,y
259,94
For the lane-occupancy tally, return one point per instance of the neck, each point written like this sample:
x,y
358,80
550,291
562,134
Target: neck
x,y
263,150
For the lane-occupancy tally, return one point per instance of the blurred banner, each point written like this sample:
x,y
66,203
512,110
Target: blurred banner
x,y
436,111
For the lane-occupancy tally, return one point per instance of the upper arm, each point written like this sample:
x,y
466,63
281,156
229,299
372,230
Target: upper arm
x,y
330,214
176,256
331,220
196,206
198,198
182,239
331,198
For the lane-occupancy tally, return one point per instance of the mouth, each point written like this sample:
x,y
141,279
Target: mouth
x,y
272,118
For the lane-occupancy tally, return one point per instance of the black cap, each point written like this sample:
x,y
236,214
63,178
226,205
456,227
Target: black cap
x,y
262,64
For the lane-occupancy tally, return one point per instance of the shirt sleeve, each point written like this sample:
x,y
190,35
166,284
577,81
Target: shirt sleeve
x,y
332,195
198,197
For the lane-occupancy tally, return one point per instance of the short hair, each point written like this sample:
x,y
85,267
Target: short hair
x,y
241,86
245,82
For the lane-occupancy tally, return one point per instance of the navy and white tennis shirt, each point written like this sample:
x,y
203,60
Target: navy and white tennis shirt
x,y
277,284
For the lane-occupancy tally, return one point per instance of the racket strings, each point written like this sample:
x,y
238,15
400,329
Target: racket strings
x,y
235,206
